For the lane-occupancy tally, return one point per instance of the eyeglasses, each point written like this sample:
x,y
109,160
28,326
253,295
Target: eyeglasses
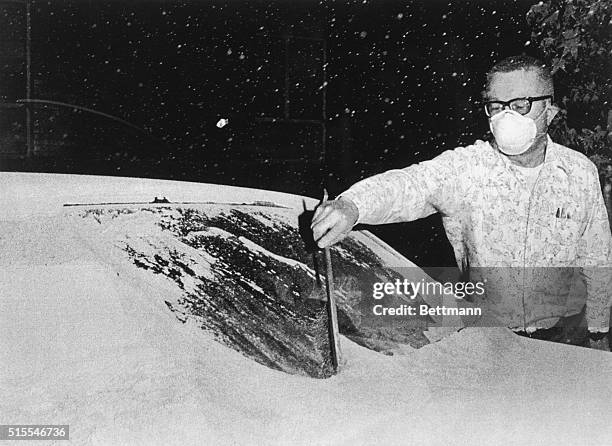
x,y
519,105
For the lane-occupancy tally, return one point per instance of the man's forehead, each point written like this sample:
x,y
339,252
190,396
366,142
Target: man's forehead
x,y
514,84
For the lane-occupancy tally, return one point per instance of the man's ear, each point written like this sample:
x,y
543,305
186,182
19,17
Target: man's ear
x,y
551,112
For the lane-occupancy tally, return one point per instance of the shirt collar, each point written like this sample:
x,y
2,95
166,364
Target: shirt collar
x,y
554,156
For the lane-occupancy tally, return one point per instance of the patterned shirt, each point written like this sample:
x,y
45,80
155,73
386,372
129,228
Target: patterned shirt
x,y
543,251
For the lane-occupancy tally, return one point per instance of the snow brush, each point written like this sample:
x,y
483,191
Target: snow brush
x,y
334,333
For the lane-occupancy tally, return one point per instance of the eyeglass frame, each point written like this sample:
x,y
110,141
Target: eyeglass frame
x,y
505,104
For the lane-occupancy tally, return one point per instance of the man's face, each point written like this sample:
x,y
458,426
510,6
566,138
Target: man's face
x,y
521,84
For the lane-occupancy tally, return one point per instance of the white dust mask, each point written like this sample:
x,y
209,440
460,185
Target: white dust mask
x,y
513,132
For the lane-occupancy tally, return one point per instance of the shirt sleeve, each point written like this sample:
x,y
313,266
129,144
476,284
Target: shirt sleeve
x,y
411,193
595,260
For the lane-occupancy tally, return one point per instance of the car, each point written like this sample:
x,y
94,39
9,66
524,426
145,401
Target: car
x,y
143,311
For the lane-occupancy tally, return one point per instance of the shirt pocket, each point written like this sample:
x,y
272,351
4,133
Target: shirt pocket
x,y
565,231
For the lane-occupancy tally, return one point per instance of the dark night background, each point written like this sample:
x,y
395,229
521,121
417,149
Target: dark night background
x,y
316,93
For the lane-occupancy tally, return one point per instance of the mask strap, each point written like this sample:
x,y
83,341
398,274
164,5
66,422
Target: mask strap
x,y
541,113
539,116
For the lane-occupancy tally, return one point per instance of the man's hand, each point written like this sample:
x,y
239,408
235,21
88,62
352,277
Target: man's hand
x,y
333,220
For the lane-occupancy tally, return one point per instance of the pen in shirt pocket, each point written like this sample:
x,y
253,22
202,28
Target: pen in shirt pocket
x,y
563,212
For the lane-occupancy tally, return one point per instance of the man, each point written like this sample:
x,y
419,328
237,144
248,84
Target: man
x,y
524,214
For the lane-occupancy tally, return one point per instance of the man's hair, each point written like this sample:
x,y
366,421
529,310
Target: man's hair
x,y
522,62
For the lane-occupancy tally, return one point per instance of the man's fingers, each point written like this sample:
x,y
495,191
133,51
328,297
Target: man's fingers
x,y
321,212
329,230
331,237
332,221
323,226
